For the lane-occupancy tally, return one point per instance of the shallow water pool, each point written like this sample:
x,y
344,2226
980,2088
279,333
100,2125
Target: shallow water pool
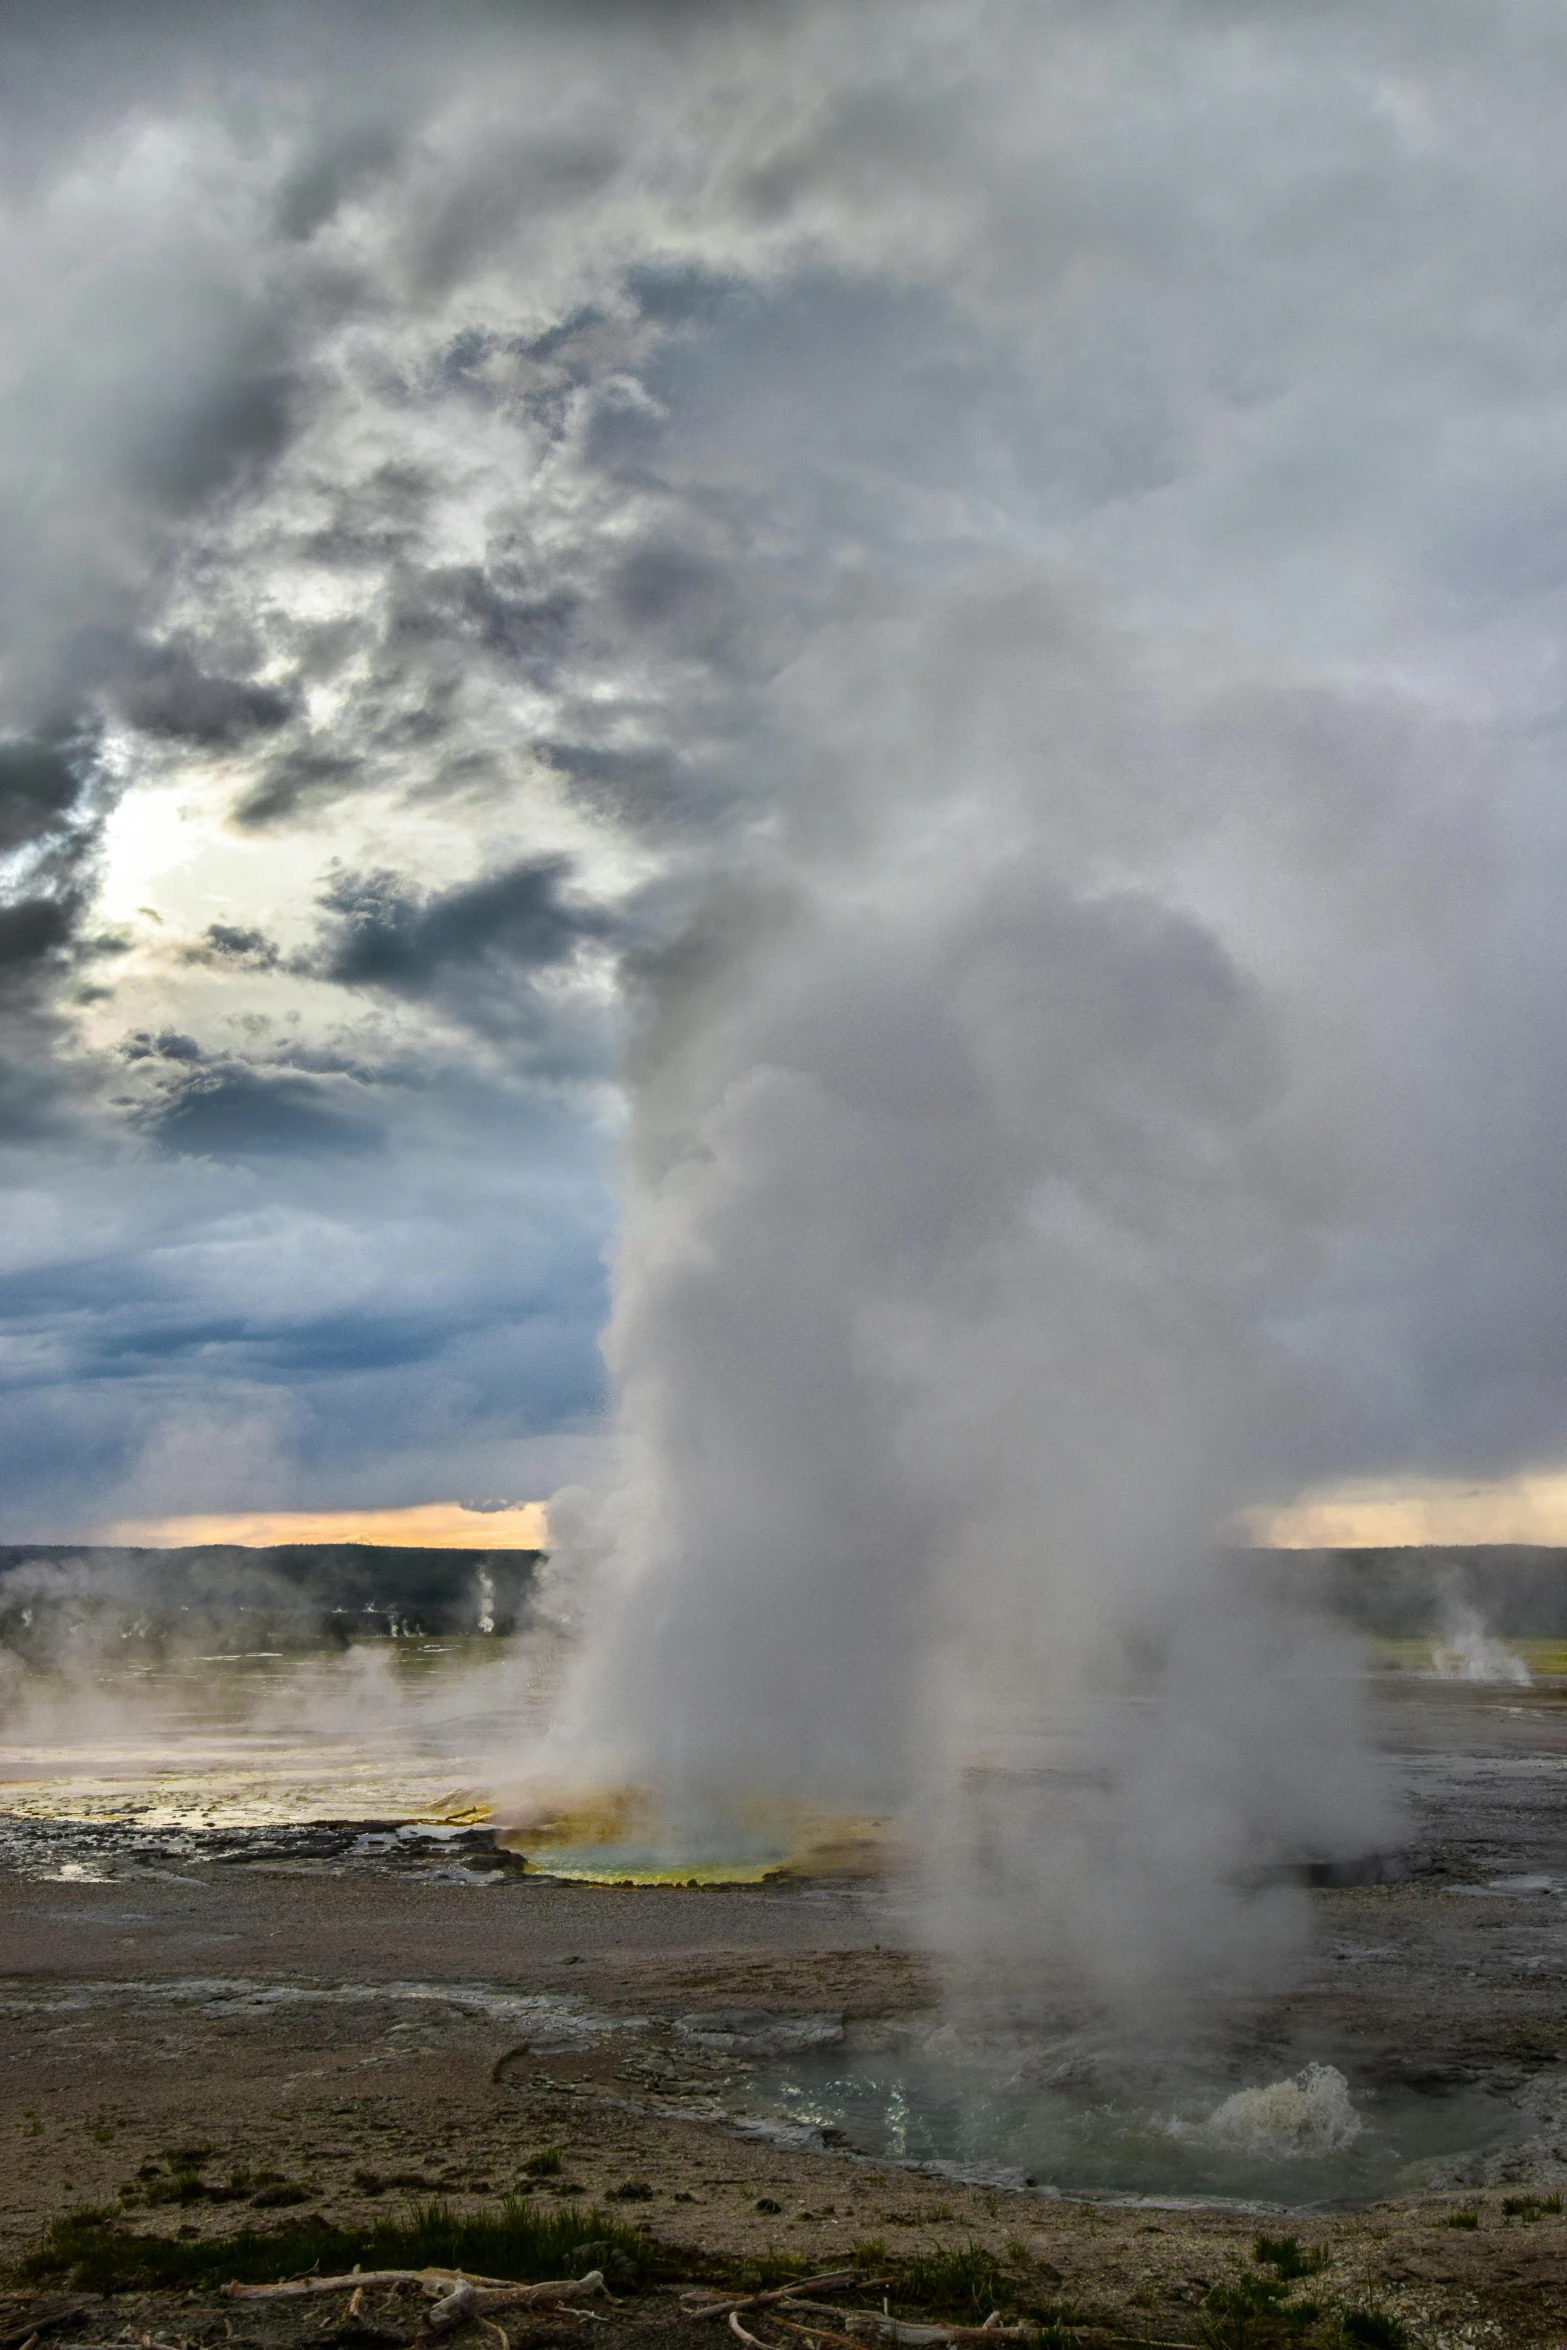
x,y
1314,2137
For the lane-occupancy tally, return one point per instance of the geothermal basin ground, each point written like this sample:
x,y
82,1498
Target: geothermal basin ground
x,y
213,2028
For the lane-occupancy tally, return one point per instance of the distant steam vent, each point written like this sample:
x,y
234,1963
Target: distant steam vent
x,y
222,1598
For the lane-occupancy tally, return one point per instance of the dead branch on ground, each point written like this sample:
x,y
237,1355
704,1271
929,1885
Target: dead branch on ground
x,y
467,2300
836,2276
850,2324
456,2296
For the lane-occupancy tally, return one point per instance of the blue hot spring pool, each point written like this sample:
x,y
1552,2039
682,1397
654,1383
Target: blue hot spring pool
x,y
1315,2136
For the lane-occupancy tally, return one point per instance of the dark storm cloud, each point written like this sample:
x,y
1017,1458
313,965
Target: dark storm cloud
x,y
163,690
40,789
477,954
237,1111
52,801
387,936
33,928
234,943
300,779
497,609
167,1045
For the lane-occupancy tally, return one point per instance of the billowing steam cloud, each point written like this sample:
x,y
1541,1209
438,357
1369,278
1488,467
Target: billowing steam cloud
x,y
979,1177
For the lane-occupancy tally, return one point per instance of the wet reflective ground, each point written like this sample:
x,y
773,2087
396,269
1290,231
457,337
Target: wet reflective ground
x,y
1439,2000
377,1731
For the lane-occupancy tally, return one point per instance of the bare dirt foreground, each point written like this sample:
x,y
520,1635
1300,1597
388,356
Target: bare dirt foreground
x,y
201,2047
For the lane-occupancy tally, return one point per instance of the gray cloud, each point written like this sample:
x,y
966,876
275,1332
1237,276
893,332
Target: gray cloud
x,y
233,942
163,691
388,936
40,790
235,1110
492,953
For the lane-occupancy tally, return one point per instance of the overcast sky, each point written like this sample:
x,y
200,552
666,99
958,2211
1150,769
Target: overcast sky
x,y
464,471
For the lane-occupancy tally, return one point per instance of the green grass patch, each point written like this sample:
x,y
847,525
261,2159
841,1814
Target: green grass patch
x,y
1251,2310
963,2281
183,2182
1530,2207
760,2271
1468,2217
1284,2256
95,2252
1373,2329
1254,2312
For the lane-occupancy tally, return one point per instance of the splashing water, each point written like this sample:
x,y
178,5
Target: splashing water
x,y
914,2096
1309,2115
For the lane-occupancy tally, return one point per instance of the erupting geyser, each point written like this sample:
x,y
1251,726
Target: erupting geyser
x,y
984,1161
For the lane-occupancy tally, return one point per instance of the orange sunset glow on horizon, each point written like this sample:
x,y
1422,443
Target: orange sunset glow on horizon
x,y
428,1525
1398,1513
1369,1514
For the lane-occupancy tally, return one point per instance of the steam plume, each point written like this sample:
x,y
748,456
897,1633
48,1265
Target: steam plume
x,y
972,1181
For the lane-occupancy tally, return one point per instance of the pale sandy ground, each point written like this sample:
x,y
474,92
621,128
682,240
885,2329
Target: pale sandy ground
x,y
308,2020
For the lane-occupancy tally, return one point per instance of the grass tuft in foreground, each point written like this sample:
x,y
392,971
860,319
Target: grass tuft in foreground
x,y
964,2281
1263,2311
759,2272
94,2251
1288,2262
1530,2207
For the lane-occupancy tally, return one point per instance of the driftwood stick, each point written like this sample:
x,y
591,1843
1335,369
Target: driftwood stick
x,y
827,2308
957,2334
466,2300
42,2318
297,2288
433,2280
993,2333
867,2321
740,2334
897,2329
814,2331
837,2276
